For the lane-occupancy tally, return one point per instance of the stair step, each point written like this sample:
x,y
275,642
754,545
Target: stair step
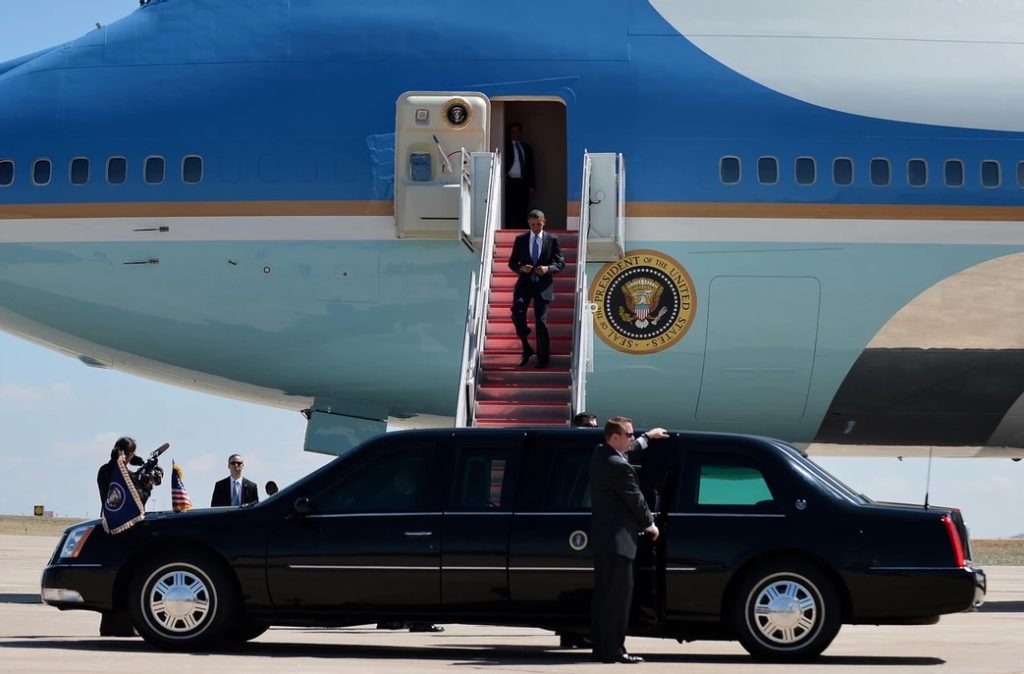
x,y
505,328
563,284
523,394
511,344
503,296
496,409
516,423
509,360
502,271
503,253
556,314
526,377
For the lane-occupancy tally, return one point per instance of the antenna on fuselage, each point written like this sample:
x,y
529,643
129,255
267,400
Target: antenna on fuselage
x,y
444,155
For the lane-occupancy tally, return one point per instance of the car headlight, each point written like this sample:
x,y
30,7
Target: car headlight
x,y
76,541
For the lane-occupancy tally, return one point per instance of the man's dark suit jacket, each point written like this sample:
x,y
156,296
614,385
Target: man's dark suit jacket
x,y
550,256
618,506
526,169
222,492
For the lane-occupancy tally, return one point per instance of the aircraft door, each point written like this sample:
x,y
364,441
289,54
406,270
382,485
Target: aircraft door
x,y
435,133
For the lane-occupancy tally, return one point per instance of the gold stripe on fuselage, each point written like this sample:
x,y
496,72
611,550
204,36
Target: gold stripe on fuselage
x,y
634,209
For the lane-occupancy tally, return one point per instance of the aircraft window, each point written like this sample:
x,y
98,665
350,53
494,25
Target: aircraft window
x,y
806,171
917,173
729,170
954,170
6,172
1020,174
880,172
41,172
990,173
192,169
117,170
842,171
79,171
481,482
155,170
767,170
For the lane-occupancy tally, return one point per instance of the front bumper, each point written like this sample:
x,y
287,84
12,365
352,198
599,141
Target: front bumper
x,y
88,587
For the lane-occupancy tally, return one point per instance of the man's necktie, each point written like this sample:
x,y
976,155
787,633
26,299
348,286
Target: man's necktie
x,y
536,250
236,498
519,155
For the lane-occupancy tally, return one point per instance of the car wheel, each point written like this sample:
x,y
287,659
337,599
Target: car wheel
x,y
786,612
182,603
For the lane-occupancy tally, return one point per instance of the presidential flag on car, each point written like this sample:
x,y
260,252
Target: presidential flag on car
x,y
122,507
179,495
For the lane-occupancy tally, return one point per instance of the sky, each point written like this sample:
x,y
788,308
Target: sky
x,y
59,418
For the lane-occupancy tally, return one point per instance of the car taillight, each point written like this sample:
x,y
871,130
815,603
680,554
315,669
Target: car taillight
x,y
954,539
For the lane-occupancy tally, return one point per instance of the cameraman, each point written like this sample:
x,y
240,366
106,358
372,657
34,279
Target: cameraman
x,y
124,446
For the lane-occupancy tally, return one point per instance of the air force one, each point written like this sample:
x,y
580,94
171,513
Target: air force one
x,y
820,236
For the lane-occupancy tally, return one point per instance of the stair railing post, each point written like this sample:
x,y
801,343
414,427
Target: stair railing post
x,y
579,350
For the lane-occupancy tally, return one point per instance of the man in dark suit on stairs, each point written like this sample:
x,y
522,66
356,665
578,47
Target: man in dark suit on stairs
x,y
536,257
619,513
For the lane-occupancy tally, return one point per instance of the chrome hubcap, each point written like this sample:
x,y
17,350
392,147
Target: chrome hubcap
x,y
785,611
179,601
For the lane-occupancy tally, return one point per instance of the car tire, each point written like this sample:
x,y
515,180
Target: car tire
x,y
786,611
183,602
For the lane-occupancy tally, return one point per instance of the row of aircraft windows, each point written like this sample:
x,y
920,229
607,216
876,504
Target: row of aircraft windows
x,y
880,172
79,171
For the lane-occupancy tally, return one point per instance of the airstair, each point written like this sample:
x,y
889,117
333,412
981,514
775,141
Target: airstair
x,y
494,392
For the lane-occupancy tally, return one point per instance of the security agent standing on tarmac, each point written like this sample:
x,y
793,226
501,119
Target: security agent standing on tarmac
x,y
619,512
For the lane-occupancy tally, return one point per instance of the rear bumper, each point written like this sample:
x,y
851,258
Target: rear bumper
x,y
894,594
78,586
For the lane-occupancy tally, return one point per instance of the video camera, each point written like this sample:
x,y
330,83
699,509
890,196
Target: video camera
x,y
150,474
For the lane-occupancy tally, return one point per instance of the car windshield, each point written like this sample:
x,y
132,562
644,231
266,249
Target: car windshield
x,y
834,484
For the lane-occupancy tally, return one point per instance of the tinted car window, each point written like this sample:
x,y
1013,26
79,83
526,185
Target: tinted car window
x,y
569,487
401,481
481,480
723,480
731,485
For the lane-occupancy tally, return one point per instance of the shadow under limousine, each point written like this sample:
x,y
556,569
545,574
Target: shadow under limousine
x,y
462,654
20,598
1002,607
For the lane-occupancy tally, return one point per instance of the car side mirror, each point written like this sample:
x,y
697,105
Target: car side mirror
x,y
302,506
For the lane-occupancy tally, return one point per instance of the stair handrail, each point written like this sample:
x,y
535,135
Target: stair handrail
x,y
580,329
620,219
480,291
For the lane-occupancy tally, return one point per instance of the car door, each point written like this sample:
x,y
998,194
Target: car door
x,y
477,520
371,542
551,567
727,508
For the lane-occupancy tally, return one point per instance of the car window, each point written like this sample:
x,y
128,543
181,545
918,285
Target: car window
x,y
482,480
723,480
569,487
397,482
731,485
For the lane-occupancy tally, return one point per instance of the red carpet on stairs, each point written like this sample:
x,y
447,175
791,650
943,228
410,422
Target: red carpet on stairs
x,y
508,395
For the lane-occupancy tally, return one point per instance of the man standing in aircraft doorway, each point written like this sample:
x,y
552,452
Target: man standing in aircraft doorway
x,y
519,179
536,257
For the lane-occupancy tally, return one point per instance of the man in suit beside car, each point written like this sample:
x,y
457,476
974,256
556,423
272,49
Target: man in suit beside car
x,y
536,257
234,490
619,513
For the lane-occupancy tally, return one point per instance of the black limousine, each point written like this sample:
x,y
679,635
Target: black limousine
x,y
758,544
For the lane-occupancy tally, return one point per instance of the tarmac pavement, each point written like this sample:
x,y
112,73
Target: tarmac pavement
x,y
38,638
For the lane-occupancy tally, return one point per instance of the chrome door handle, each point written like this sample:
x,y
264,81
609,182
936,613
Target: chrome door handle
x,y
419,533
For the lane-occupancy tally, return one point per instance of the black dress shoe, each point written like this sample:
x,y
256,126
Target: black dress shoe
x,y
541,364
623,658
426,627
526,357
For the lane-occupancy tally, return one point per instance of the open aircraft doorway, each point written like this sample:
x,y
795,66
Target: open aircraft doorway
x,y
543,124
